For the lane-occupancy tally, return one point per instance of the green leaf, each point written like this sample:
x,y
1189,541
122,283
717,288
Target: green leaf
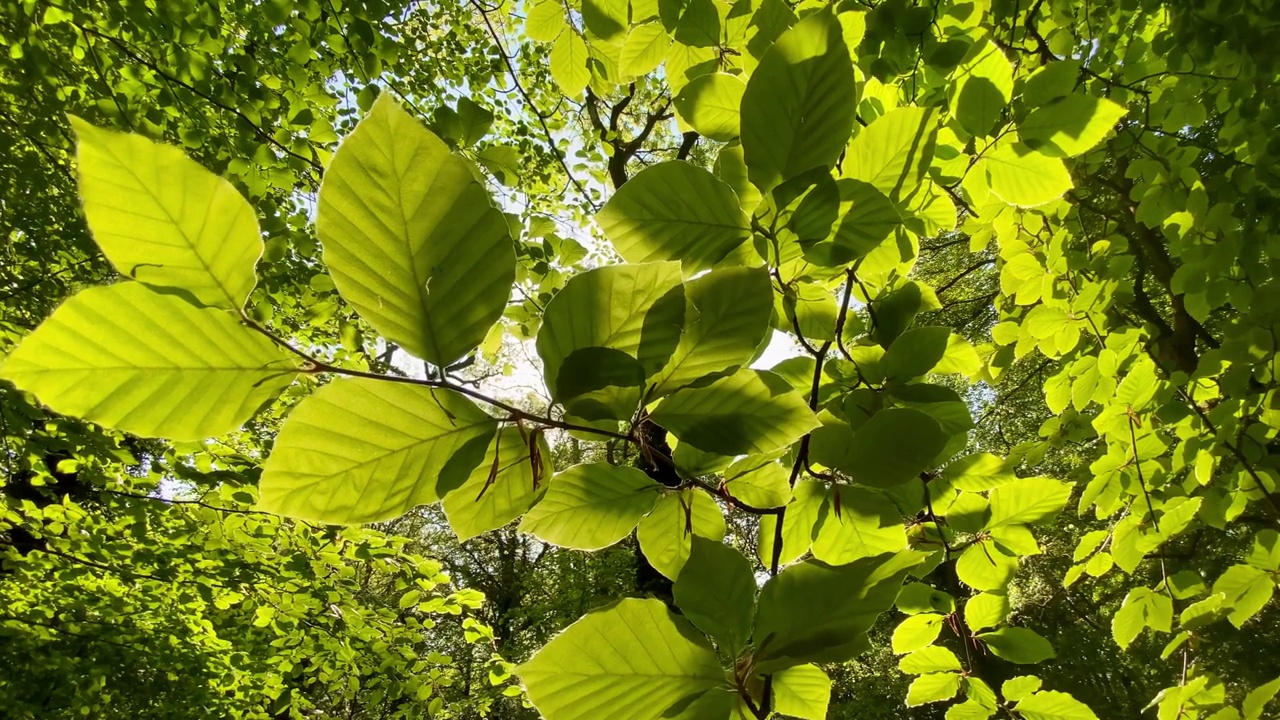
x,y
675,211
1050,82
412,239
982,88
1023,177
149,363
916,631
501,488
475,121
1030,500
726,318
979,472
986,610
1265,553
866,524
918,597
545,21
814,612
934,687
665,534
632,661
591,506
712,105
644,49
931,659
1247,590
759,481
890,449
1018,645
798,109
984,567
568,64
1142,608
607,331
162,219
731,168
1019,687
751,411
806,509
1070,126
699,24
359,450
1256,701
915,352
803,691
606,19
893,152
716,590
1053,706
868,221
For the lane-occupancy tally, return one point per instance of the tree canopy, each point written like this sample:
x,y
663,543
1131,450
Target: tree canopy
x,y
643,359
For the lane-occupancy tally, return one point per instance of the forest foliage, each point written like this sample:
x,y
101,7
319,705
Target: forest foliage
x,y
896,340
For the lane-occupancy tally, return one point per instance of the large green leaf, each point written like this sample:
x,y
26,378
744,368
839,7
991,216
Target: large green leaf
x,y
934,687
751,411
798,110
865,524
867,220
716,590
632,661
666,533
1142,608
803,691
544,21
984,567
675,211
712,105
1070,126
501,487
1023,177
644,49
1018,645
592,506
759,481
915,352
890,449
606,19
568,63
149,363
607,331
726,318
1030,500
894,151
982,88
360,450
1053,706
412,239
162,219
807,508
814,612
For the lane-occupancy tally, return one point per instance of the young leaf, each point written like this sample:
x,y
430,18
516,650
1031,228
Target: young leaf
x,y
1070,126
675,211
726,319
412,239
666,533
806,510
931,659
162,219
866,524
751,411
915,352
1024,177
982,88
501,488
814,612
1247,590
712,105
1142,608
916,631
985,610
803,691
610,328
984,567
1031,500
716,590
934,687
568,63
632,661
592,506
893,152
890,449
149,363
1018,645
798,109
1051,705
359,450
643,49
545,21
979,472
